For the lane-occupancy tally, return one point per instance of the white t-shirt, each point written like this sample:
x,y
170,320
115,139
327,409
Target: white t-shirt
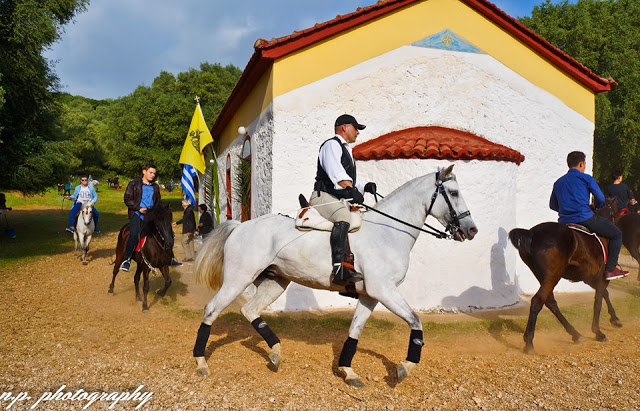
x,y
84,195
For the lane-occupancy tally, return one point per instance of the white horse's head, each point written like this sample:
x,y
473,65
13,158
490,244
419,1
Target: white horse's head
x,y
86,212
449,208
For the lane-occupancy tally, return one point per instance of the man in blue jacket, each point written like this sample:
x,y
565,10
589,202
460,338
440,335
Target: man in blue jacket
x,y
570,198
83,194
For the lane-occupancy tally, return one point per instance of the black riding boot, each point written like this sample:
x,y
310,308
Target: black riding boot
x,y
342,274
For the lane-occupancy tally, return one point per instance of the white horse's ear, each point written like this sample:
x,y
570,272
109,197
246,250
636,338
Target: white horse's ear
x,y
447,171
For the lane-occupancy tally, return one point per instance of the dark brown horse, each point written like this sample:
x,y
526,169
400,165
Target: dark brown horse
x,y
155,254
629,224
553,251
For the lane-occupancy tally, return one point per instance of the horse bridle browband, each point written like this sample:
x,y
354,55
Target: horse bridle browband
x,y
452,226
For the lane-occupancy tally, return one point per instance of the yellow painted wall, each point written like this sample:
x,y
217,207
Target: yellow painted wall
x,y
259,99
414,23
397,29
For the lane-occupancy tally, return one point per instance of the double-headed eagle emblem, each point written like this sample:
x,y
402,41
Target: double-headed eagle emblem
x,y
195,139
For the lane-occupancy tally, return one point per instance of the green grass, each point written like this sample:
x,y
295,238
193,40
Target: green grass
x,y
39,222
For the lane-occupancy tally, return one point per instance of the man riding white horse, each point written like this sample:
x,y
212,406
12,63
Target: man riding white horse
x,y
81,195
336,180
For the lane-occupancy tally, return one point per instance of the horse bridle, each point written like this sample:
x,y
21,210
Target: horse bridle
x,y
454,225
83,220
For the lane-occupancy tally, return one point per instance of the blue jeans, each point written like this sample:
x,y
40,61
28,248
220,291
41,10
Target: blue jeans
x,y
76,207
135,226
606,229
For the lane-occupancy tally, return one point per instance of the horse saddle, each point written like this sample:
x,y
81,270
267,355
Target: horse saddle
x,y
308,218
141,243
585,230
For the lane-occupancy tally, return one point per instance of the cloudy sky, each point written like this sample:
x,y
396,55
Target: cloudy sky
x,y
117,45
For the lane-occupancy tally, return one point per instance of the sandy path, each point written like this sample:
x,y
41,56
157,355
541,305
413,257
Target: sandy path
x,y
60,327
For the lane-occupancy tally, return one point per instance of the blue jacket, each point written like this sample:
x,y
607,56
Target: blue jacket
x,y
94,195
571,196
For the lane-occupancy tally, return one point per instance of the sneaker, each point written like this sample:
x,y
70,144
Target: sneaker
x,y
175,263
96,231
615,274
126,265
70,229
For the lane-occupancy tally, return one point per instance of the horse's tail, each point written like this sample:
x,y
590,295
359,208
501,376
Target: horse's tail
x,y
521,239
210,258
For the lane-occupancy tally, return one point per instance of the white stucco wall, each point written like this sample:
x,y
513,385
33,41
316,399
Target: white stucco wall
x,y
411,87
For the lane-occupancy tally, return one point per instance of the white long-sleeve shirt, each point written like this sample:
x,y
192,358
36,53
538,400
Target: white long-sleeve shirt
x,y
330,156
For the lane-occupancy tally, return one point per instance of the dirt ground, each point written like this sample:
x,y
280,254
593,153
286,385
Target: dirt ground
x,y
61,327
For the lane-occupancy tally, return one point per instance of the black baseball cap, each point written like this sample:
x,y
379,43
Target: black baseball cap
x,y
349,119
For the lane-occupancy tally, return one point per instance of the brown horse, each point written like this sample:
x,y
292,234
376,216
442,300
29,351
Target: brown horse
x,y
629,224
156,252
553,251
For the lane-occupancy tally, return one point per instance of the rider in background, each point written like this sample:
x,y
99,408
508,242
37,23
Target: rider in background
x,y
621,192
83,194
570,198
336,180
141,194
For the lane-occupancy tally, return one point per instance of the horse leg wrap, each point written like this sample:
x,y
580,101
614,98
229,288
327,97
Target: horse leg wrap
x,y
415,346
348,351
201,341
263,329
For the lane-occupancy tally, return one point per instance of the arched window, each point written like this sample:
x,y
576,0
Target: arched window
x,y
228,181
246,170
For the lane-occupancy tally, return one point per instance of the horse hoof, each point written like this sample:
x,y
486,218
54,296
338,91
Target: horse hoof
x,y
84,263
602,338
161,293
404,369
110,291
577,338
350,377
275,356
529,350
145,310
616,323
203,368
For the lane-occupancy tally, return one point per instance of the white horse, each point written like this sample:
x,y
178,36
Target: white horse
x,y
270,252
84,230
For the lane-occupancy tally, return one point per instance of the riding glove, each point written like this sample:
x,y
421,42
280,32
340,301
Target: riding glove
x,y
357,197
370,187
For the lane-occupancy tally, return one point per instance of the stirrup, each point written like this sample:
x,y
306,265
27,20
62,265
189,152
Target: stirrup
x,y
343,274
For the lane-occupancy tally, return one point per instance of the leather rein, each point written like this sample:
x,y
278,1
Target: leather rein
x,y
452,227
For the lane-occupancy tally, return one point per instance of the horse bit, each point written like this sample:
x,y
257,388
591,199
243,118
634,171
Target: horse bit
x,y
452,227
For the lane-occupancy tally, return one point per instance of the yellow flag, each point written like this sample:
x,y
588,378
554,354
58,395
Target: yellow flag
x,y
197,139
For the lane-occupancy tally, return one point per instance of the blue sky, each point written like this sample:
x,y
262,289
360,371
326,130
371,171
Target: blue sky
x,y
117,45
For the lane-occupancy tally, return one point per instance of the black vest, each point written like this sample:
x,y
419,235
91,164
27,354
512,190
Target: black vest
x,y
324,183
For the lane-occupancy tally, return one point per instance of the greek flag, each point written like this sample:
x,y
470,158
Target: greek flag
x,y
188,172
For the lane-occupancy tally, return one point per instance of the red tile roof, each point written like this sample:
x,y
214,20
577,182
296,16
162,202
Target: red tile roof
x,y
265,52
436,143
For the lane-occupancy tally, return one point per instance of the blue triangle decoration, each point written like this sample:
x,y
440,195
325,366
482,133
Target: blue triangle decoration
x,y
447,40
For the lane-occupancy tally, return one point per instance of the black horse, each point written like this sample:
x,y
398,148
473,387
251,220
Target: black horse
x,y
156,252
629,224
553,251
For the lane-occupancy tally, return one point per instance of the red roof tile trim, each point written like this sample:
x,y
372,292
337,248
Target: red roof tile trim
x,y
267,51
434,143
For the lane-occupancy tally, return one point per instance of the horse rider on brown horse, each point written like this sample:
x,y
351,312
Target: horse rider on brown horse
x,y
570,198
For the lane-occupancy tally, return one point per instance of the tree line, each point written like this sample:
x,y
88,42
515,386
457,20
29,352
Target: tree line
x,y
46,135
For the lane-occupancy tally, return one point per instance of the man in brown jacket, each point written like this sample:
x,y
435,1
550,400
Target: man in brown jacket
x,y
141,194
